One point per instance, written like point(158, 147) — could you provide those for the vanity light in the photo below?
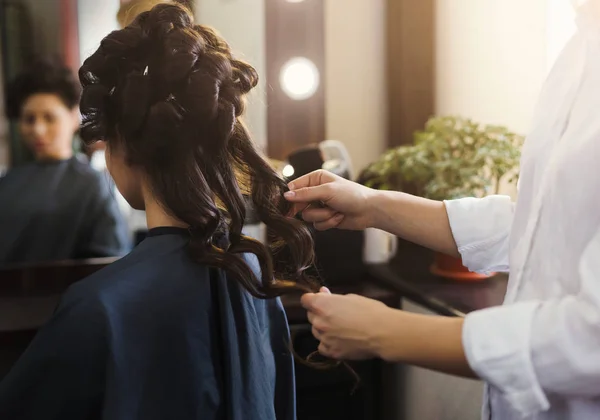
point(288, 171)
point(299, 78)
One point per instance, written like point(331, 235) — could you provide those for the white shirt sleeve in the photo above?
point(481, 229)
point(531, 349)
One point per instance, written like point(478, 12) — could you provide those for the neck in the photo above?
point(156, 216)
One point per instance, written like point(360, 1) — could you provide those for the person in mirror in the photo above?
point(56, 207)
point(189, 324)
point(539, 353)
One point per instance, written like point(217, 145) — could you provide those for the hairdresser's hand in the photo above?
point(346, 204)
point(349, 327)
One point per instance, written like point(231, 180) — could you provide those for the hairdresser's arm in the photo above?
point(348, 205)
point(476, 229)
point(353, 327)
point(415, 219)
point(431, 342)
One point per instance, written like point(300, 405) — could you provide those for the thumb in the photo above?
point(308, 301)
point(313, 302)
point(309, 194)
point(325, 290)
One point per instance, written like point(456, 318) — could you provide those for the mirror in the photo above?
point(258, 32)
point(57, 201)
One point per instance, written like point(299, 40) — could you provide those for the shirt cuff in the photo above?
point(481, 229)
point(497, 345)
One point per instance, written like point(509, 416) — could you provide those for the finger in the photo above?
point(303, 207)
point(315, 302)
point(312, 179)
point(318, 215)
point(316, 333)
point(325, 290)
point(311, 317)
point(309, 194)
point(298, 208)
point(332, 223)
point(324, 349)
point(308, 301)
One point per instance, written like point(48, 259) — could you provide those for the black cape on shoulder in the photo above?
point(156, 336)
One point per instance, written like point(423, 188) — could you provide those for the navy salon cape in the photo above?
point(59, 210)
point(156, 336)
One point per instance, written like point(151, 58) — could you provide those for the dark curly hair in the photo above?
point(170, 95)
point(43, 75)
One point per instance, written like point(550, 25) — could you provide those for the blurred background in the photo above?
point(380, 68)
point(427, 96)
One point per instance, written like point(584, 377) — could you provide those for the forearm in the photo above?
point(431, 342)
point(415, 219)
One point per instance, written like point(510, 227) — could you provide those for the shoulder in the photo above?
point(16, 172)
point(80, 315)
point(81, 167)
point(141, 275)
point(88, 301)
point(93, 287)
point(91, 180)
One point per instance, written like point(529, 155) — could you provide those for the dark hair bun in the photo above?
point(162, 62)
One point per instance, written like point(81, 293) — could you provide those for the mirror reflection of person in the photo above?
point(56, 207)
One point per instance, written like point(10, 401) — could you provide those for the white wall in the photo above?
point(491, 59)
point(356, 101)
point(242, 24)
point(96, 19)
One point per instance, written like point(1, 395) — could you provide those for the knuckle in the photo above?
point(315, 332)
point(320, 325)
point(331, 213)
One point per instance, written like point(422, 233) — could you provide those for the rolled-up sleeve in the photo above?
point(481, 228)
point(532, 349)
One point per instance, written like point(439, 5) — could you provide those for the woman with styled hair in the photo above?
point(189, 324)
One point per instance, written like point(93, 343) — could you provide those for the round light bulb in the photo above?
point(299, 78)
point(288, 171)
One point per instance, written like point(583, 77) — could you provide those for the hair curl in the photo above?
point(170, 94)
point(44, 75)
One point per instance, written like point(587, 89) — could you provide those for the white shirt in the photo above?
point(540, 352)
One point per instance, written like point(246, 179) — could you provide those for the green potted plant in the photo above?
point(451, 158)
